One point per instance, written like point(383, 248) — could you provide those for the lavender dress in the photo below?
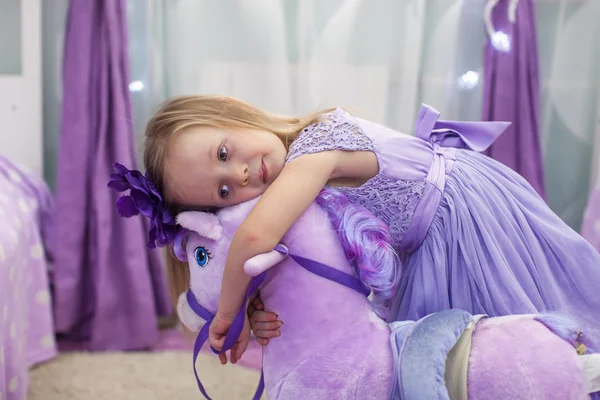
point(472, 233)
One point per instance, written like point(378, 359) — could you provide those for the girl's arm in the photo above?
point(284, 201)
point(288, 197)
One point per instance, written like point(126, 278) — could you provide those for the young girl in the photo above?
point(471, 233)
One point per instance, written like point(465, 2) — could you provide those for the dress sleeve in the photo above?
point(334, 131)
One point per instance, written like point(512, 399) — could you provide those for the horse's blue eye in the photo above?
point(202, 256)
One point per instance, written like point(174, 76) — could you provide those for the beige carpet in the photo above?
point(148, 376)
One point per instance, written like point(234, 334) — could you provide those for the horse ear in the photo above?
point(203, 223)
point(187, 316)
point(232, 217)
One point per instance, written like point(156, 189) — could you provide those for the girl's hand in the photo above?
point(264, 324)
point(218, 331)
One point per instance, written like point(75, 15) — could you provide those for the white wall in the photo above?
point(21, 138)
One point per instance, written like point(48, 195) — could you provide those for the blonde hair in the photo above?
point(222, 112)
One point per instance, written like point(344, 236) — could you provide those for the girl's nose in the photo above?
point(242, 175)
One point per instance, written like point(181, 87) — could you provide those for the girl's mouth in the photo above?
point(263, 172)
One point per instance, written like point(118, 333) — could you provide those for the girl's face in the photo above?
point(213, 167)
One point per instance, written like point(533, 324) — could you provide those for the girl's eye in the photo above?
point(223, 153)
point(224, 191)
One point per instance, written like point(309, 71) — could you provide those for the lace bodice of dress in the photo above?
point(389, 198)
point(335, 131)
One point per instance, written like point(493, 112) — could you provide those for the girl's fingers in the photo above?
point(257, 303)
point(260, 335)
point(262, 342)
point(263, 316)
point(266, 326)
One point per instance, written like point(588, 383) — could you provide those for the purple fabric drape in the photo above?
point(108, 288)
point(512, 92)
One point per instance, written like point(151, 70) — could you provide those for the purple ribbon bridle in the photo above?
point(235, 330)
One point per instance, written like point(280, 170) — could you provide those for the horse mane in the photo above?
point(367, 243)
point(178, 250)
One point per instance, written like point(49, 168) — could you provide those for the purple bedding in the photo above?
point(26, 327)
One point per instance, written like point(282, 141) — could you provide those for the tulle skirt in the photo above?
point(496, 248)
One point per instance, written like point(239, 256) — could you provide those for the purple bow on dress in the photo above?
point(473, 135)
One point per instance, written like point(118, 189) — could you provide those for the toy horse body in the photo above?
point(333, 345)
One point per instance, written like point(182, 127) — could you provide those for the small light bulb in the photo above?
point(501, 41)
point(136, 86)
point(468, 80)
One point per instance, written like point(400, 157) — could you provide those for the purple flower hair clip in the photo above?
point(144, 199)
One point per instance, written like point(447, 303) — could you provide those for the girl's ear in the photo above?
point(187, 316)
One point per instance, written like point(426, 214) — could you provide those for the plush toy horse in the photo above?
point(334, 346)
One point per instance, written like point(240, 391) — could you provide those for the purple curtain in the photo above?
point(512, 91)
point(108, 288)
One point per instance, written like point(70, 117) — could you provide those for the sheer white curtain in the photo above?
point(569, 51)
point(54, 18)
point(591, 219)
point(381, 59)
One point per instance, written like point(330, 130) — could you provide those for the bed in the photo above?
point(26, 327)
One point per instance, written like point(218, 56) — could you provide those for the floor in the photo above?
point(149, 376)
point(162, 373)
